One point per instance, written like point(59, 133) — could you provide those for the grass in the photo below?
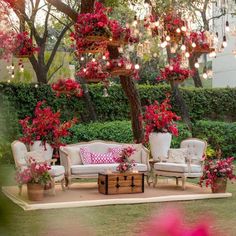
point(107, 220)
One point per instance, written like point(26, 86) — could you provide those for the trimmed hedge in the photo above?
point(215, 104)
point(218, 135)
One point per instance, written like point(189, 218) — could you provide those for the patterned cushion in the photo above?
point(85, 155)
point(102, 158)
point(178, 155)
point(116, 151)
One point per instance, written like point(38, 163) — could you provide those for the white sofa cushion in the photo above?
point(175, 167)
point(38, 156)
point(57, 170)
point(96, 168)
point(177, 155)
point(73, 155)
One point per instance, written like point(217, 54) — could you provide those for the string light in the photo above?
point(155, 54)
point(183, 47)
point(183, 28)
point(187, 54)
point(227, 26)
point(196, 65)
point(84, 70)
point(82, 58)
point(136, 66)
point(164, 44)
point(135, 22)
point(93, 60)
point(104, 57)
point(167, 38)
point(22, 68)
point(178, 30)
point(204, 75)
point(172, 50)
point(36, 86)
point(9, 81)
point(194, 45)
point(105, 93)
point(224, 42)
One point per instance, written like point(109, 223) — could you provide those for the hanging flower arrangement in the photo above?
point(199, 42)
point(93, 72)
point(174, 72)
point(69, 87)
point(122, 66)
point(158, 117)
point(25, 47)
point(10, 2)
point(93, 26)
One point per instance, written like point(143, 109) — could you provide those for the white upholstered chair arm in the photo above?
point(145, 157)
point(66, 162)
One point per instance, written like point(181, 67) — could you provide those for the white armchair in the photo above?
point(20, 154)
point(183, 163)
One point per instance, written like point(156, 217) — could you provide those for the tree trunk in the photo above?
point(196, 78)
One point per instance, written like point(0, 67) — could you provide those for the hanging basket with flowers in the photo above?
point(174, 72)
point(94, 72)
point(25, 47)
point(69, 87)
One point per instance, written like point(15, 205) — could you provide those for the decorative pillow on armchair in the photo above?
point(102, 158)
point(177, 155)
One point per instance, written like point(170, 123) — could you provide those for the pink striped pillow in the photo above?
point(102, 158)
point(85, 155)
point(116, 151)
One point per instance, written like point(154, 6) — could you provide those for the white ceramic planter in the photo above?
point(160, 144)
point(38, 146)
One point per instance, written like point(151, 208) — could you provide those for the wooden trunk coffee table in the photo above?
point(118, 183)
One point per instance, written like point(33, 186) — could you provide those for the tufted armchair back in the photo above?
point(196, 148)
point(19, 151)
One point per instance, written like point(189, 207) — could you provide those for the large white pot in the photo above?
point(38, 146)
point(160, 144)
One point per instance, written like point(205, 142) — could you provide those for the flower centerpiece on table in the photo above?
point(94, 24)
point(216, 172)
point(158, 117)
point(45, 126)
point(70, 87)
point(25, 47)
point(125, 163)
point(174, 72)
point(94, 71)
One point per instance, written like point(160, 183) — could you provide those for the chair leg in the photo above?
point(67, 182)
point(63, 184)
point(148, 180)
point(183, 182)
point(155, 181)
point(20, 190)
point(53, 187)
point(177, 181)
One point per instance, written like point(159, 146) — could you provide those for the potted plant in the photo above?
point(36, 176)
point(160, 124)
point(126, 164)
point(216, 172)
point(44, 131)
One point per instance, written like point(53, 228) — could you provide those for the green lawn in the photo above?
point(107, 220)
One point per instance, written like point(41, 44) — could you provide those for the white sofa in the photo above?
point(75, 169)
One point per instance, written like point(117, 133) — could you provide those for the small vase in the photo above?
point(35, 191)
point(38, 146)
point(160, 144)
point(219, 185)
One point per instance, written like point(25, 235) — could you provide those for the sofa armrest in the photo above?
point(145, 157)
point(65, 161)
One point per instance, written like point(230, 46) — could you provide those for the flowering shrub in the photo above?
point(93, 23)
point(46, 126)
point(159, 118)
point(93, 70)
point(122, 63)
point(174, 72)
point(25, 45)
point(34, 173)
point(125, 163)
point(214, 168)
point(69, 87)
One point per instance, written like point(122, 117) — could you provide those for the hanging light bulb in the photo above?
point(110, 39)
point(84, 70)
point(196, 65)
point(36, 86)
point(183, 28)
point(12, 66)
point(22, 68)
point(104, 57)
point(164, 44)
point(178, 30)
point(105, 93)
point(136, 66)
point(155, 54)
point(82, 58)
point(120, 49)
point(108, 63)
point(194, 45)
point(157, 23)
point(213, 54)
point(227, 26)
point(224, 44)
point(183, 47)
point(172, 50)
point(187, 54)
point(204, 75)
point(167, 38)
point(9, 81)
point(135, 22)
point(93, 60)
point(171, 67)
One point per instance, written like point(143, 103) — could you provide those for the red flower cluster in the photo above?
point(125, 163)
point(214, 168)
point(46, 126)
point(10, 2)
point(123, 63)
point(172, 22)
point(69, 87)
point(174, 72)
point(25, 45)
point(35, 173)
point(160, 118)
point(93, 23)
point(93, 70)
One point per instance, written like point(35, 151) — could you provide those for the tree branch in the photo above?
point(45, 34)
point(53, 53)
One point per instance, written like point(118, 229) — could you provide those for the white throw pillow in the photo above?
point(178, 155)
point(74, 156)
point(38, 156)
